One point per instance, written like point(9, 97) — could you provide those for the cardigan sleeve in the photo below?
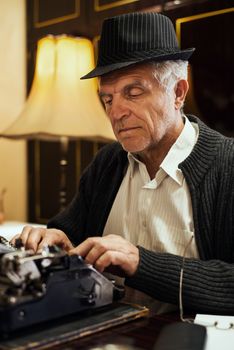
point(208, 286)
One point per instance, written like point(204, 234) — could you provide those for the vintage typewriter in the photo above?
point(36, 288)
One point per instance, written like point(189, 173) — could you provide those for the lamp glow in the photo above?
point(60, 106)
point(59, 103)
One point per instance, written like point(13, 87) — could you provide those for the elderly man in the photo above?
point(161, 198)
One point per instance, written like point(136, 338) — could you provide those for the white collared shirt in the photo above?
point(157, 214)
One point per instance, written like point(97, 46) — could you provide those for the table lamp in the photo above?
point(60, 106)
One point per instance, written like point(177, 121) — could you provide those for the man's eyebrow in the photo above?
point(103, 94)
point(137, 82)
point(133, 84)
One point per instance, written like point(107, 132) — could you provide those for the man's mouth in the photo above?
point(123, 130)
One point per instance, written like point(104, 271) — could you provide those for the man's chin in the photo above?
point(132, 147)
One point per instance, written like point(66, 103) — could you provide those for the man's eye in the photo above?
point(106, 101)
point(135, 92)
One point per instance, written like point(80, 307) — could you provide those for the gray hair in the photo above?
point(168, 73)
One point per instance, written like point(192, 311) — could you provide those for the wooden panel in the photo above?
point(47, 12)
point(101, 5)
point(45, 171)
point(212, 65)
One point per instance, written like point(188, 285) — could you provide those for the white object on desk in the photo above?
point(11, 228)
point(220, 337)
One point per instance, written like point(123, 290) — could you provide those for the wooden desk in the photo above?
point(140, 333)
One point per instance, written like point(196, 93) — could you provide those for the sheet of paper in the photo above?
point(220, 337)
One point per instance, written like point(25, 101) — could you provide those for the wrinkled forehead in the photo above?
point(141, 70)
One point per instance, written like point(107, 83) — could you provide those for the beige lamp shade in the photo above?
point(59, 103)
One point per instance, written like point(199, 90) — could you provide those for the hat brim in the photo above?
point(101, 70)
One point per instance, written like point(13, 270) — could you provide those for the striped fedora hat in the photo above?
point(136, 37)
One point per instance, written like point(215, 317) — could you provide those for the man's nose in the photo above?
point(119, 108)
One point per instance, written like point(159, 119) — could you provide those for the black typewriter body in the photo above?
point(35, 288)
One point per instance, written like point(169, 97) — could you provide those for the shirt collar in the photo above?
point(133, 161)
point(180, 151)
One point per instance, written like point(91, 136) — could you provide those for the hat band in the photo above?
point(133, 55)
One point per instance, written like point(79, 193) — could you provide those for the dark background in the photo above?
point(204, 24)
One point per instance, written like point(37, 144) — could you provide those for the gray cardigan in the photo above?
point(208, 283)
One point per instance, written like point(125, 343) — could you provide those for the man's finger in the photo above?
point(84, 248)
point(13, 239)
point(115, 263)
point(95, 253)
point(34, 238)
point(24, 234)
point(55, 237)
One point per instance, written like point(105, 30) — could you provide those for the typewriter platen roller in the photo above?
point(35, 288)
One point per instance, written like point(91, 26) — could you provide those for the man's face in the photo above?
point(142, 114)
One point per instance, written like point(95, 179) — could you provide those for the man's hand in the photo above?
point(36, 237)
point(111, 253)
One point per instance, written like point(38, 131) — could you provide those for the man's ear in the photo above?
point(181, 90)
